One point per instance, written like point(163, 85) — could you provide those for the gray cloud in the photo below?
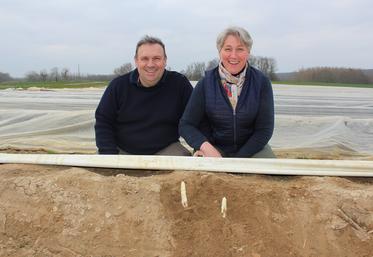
point(101, 35)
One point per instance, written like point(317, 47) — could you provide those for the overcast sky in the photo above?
point(99, 36)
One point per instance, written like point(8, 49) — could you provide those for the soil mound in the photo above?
point(67, 211)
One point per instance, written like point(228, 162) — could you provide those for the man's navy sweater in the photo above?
point(140, 120)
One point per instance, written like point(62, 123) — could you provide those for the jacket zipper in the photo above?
point(234, 118)
point(234, 129)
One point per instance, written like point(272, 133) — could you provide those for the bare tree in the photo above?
point(43, 74)
point(195, 71)
point(212, 64)
point(54, 75)
point(65, 74)
point(125, 68)
point(5, 77)
point(32, 76)
point(265, 64)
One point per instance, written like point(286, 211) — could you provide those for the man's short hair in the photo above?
point(150, 40)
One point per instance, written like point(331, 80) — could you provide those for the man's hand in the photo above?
point(207, 150)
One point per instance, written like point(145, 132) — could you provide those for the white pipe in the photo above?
point(231, 165)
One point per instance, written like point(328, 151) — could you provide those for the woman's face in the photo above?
point(234, 54)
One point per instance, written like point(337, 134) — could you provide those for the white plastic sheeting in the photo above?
point(306, 117)
point(231, 165)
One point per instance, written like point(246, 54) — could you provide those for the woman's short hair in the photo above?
point(150, 40)
point(239, 32)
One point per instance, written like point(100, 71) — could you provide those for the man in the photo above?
point(139, 112)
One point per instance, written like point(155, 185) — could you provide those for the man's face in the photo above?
point(150, 62)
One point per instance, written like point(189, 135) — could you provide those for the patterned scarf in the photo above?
point(232, 84)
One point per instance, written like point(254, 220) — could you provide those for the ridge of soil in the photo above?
point(69, 211)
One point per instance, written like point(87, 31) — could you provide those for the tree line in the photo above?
point(196, 71)
point(193, 71)
point(5, 77)
point(332, 75)
point(64, 74)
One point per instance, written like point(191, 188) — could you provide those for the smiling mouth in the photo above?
point(150, 73)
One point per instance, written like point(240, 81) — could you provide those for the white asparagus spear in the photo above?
point(184, 200)
point(224, 207)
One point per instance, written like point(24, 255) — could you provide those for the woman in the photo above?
point(231, 110)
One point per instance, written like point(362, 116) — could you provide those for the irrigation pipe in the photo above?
point(353, 168)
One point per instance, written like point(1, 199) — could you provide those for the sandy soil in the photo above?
point(68, 211)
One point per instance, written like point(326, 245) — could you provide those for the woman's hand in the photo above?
point(207, 150)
